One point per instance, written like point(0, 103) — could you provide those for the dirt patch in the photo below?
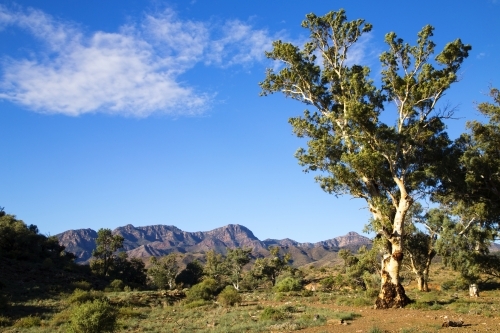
point(404, 320)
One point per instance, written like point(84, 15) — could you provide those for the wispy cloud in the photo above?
point(239, 44)
point(133, 71)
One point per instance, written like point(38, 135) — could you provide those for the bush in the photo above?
point(288, 284)
point(272, 314)
point(83, 285)
point(229, 296)
point(81, 296)
point(205, 290)
point(28, 322)
point(93, 317)
point(117, 285)
point(328, 283)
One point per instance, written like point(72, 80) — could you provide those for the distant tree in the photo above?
point(22, 242)
point(420, 246)
point(163, 271)
point(390, 165)
point(348, 257)
point(271, 267)
point(129, 270)
point(235, 260)
point(215, 266)
point(105, 253)
point(190, 275)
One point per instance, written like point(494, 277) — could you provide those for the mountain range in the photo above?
point(159, 240)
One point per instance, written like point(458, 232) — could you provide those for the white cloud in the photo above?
point(239, 44)
point(359, 53)
point(132, 72)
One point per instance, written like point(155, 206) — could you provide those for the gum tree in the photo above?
point(470, 193)
point(353, 150)
point(105, 253)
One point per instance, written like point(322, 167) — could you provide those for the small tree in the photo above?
point(348, 257)
point(190, 275)
point(235, 260)
point(105, 253)
point(271, 267)
point(215, 266)
point(163, 271)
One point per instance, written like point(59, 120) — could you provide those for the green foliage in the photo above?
point(197, 303)
point(215, 266)
point(104, 254)
point(274, 314)
point(288, 284)
point(22, 242)
point(83, 285)
point(229, 296)
point(191, 275)
point(375, 329)
point(163, 271)
point(206, 290)
point(470, 194)
point(235, 260)
point(354, 152)
point(81, 296)
point(131, 271)
point(271, 267)
point(28, 322)
point(117, 285)
point(93, 317)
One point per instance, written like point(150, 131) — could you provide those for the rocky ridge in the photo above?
point(158, 240)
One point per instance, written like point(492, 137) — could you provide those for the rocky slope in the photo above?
point(158, 240)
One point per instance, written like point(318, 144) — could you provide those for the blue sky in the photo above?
point(148, 112)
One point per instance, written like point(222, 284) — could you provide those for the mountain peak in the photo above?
point(158, 240)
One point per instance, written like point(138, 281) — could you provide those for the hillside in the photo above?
point(158, 240)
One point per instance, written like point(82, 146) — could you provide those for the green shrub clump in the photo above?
point(229, 296)
point(28, 322)
point(205, 290)
point(93, 317)
point(81, 296)
point(83, 285)
point(117, 285)
point(288, 284)
point(272, 314)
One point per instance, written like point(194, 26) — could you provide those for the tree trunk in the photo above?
point(392, 294)
point(422, 283)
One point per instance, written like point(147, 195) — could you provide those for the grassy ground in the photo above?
point(267, 311)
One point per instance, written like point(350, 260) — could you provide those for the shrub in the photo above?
point(272, 314)
point(328, 283)
point(205, 290)
point(117, 285)
point(196, 304)
point(447, 285)
point(288, 284)
point(229, 296)
point(93, 317)
point(83, 285)
point(28, 322)
point(81, 296)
